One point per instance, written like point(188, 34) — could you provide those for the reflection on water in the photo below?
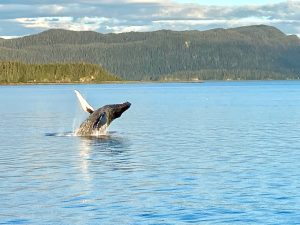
point(210, 153)
point(104, 144)
point(93, 149)
point(84, 153)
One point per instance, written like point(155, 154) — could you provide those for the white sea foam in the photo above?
point(100, 132)
point(74, 129)
point(97, 132)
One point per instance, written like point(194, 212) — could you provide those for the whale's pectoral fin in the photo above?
point(101, 120)
point(85, 106)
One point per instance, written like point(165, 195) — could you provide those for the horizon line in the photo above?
point(11, 37)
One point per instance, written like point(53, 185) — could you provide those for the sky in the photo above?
point(25, 17)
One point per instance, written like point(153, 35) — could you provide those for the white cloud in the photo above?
point(145, 1)
point(142, 15)
point(223, 22)
point(70, 23)
point(121, 1)
point(9, 37)
point(122, 29)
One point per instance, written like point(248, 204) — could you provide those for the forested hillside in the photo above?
point(253, 52)
point(16, 72)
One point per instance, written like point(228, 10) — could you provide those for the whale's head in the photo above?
point(117, 109)
point(106, 114)
point(99, 120)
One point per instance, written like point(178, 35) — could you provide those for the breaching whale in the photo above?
point(99, 120)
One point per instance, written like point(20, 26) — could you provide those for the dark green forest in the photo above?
point(250, 53)
point(17, 72)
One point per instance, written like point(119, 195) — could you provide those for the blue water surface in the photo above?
point(184, 153)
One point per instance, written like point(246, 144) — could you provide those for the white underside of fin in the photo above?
point(85, 106)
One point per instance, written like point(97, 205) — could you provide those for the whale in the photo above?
point(99, 120)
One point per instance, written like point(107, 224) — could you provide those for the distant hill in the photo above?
point(16, 72)
point(252, 52)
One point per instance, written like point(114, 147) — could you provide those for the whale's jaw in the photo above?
point(98, 122)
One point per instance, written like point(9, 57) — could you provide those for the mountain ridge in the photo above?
point(102, 37)
point(167, 54)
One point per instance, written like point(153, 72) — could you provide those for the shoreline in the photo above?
point(106, 82)
point(132, 82)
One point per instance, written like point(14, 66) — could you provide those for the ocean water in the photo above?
point(184, 153)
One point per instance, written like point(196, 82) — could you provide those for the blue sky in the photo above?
point(24, 17)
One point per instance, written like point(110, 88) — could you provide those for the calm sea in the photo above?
point(202, 153)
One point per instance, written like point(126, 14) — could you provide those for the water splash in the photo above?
point(101, 131)
point(75, 122)
point(97, 133)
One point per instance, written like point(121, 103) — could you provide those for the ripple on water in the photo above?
point(211, 153)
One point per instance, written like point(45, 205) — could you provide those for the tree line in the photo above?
point(18, 72)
